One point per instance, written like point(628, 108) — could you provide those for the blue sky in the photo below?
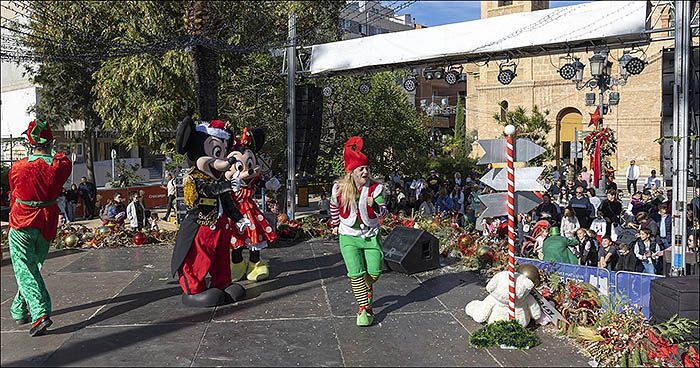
point(435, 13)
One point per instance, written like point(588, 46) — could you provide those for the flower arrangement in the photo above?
point(615, 333)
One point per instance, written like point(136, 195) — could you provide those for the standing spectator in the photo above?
point(632, 176)
point(646, 249)
point(426, 209)
point(579, 182)
point(563, 199)
point(88, 192)
point(595, 201)
point(586, 176)
point(71, 201)
point(582, 207)
point(626, 261)
point(61, 202)
point(611, 209)
point(171, 194)
point(569, 223)
point(546, 207)
point(610, 176)
point(652, 181)
point(434, 181)
point(587, 251)
point(599, 226)
point(135, 212)
point(695, 202)
point(607, 254)
point(664, 225)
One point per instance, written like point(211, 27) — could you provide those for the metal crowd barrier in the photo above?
point(634, 286)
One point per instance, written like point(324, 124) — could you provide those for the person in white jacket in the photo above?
point(632, 176)
point(135, 212)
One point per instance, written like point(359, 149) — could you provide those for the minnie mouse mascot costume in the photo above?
point(259, 233)
point(202, 243)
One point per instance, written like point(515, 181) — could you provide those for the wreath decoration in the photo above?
point(608, 142)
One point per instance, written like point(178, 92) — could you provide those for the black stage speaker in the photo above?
point(409, 250)
point(675, 295)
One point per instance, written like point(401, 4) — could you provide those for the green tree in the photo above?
point(535, 126)
point(395, 138)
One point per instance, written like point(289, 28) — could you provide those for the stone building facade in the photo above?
point(636, 120)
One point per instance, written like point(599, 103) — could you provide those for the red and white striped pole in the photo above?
point(510, 130)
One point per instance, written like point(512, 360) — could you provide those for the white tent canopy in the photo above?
point(588, 26)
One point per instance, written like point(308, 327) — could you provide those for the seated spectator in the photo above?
point(607, 254)
point(569, 223)
point(154, 222)
point(646, 250)
point(444, 202)
point(116, 213)
point(626, 261)
point(426, 209)
point(324, 205)
point(490, 225)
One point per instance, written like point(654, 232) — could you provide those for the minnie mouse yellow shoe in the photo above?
point(238, 271)
point(257, 271)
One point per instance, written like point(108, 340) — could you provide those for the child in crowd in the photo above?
point(607, 254)
point(626, 261)
point(154, 222)
point(586, 251)
point(324, 205)
point(599, 226)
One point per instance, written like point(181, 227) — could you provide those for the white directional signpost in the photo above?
point(498, 204)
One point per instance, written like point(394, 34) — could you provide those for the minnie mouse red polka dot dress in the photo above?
point(260, 233)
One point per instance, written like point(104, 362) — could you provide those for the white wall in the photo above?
point(15, 118)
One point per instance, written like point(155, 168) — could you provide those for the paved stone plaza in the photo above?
point(121, 307)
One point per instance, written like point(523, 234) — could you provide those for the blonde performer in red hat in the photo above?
point(356, 207)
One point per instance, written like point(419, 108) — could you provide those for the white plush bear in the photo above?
point(495, 306)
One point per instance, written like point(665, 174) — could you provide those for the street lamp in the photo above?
point(601, 70)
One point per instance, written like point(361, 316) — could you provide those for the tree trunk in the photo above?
point(206, 82)
point(88, 149)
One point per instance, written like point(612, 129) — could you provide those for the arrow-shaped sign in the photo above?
point(526, 179)
point(497, 203)
point(525, 150)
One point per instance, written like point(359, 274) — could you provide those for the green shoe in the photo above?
point(365, 316)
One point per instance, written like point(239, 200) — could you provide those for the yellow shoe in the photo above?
point(257, 271)
point(237, 271)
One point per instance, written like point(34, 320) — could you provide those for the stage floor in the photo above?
point(121, 307)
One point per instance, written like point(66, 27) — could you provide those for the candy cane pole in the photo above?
point(510, 130)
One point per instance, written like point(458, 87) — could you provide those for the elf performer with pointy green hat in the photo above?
point(356, 206)
point(35, 184)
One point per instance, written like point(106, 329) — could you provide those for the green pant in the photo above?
point(362, 255)
point(28, 250)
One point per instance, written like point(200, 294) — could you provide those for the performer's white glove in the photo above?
point(243, 223)
point(236, 184)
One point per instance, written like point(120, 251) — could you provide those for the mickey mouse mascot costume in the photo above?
point(202, 243)
point(356, 206)
point(257, 235)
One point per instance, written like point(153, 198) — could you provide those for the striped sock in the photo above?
point(370, 279)
point(359, 288)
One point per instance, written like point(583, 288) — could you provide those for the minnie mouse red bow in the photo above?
point(246, 139)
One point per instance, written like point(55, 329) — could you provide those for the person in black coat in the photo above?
point(88, 193)
point(611, 209)
point(626, 260)
point(587, 249)
point(546, 207)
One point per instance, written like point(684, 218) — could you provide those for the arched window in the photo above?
point(504, 110)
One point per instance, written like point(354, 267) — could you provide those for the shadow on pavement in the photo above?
point(54, 254)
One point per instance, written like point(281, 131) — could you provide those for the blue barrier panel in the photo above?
point(636, 287)
point(598, 277)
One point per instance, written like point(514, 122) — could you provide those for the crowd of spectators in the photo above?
point(604, 233)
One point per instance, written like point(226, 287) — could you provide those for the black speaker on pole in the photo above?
point(410, 250)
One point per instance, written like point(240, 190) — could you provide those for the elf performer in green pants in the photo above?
point(35, 183)
point(356, 207)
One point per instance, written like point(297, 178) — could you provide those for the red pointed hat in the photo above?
point(352, 155)
point(39, 132)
